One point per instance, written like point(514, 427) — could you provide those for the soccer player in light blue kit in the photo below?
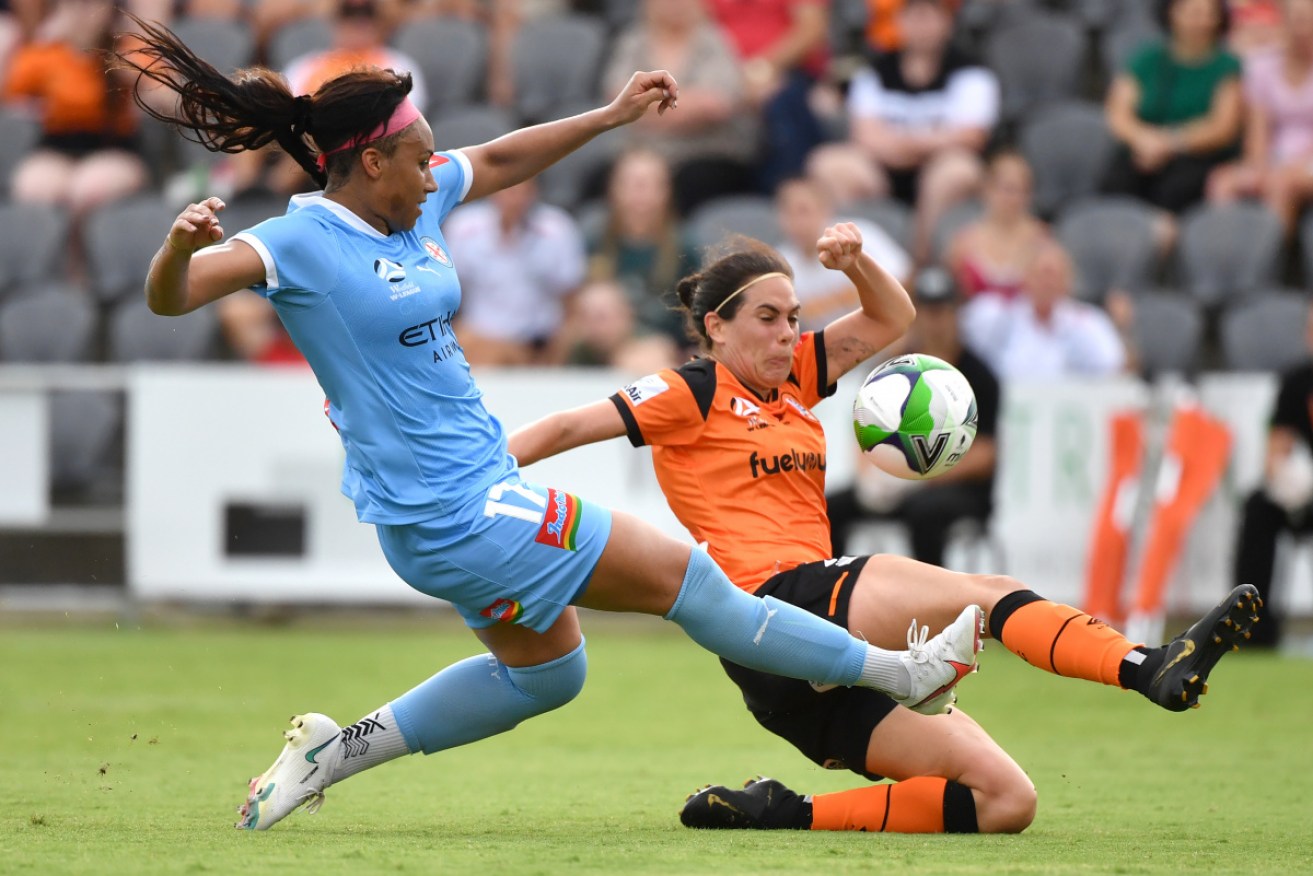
point(361, 277)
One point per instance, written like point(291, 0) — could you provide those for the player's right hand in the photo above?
point(197, 226)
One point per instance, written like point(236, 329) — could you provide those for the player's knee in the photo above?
point(1009, 808)
point(552, 685)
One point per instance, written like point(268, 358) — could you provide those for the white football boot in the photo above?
point(937, 665)
point(298, 777)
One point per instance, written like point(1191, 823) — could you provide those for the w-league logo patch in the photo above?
point(645, 388)
point(560, 524)
point(389, 270)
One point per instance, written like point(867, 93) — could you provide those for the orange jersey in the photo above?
point(744, 474)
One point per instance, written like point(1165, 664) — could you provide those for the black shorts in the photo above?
point(831, 727)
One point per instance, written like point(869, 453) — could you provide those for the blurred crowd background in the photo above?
point(1069, 187)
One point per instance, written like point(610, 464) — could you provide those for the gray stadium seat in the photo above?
point(18, 134)
point(470, 126)
point(225, 44)
point(556, 63)
point(83, 425)
point(121, 239)
point(750, 215)
point(1267, 333)
point(33, 240)
point(1306, 247)
point(1125, 36)
point(1168, 331)
point(136, 334)
point(1111, 241)
point(247, 211)
point(297, 38)
point(1069, 147)
point(47, 323)
point(957, 218)
point(1038, 59)
point(893, 216)
point(453, 56)
point(1227, 250)
point(568, 182)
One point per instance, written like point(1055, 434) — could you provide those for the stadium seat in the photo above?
point(578, 175)
point(1168, 331)
point(18, 134)
point(121, 239)
point(1227, 250)
point(1306, 248)
point(953, 221)
point(893, 216)
point(1069, 147)
point(1111, 241)
point(136, 334)
point(453, 56)
point(1125, 35)
point(33, 242)
point(751, 215)
point(1267, 333)
point(556, 63)
point(246, 211)
point(83, 425)
point(1038, 59)
point(470, 126)
point(297, 38)
point(224, 43)
point(47, 323)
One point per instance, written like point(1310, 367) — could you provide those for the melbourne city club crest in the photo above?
point(435, 251)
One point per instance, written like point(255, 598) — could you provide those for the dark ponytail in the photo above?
point(255, 107)
point(740, 259)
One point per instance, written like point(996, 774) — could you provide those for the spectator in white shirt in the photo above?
point(1043, 333)
point(518, 259)
point(922, 116)
point(805, 210)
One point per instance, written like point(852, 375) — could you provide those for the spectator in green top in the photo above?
point(1176, 107)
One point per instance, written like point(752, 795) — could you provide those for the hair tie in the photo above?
point(301, 106)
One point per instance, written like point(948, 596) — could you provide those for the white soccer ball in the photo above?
point(915, 416)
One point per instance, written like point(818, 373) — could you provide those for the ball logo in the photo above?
point(436, 252)
point(386, 269)
point(742, 407)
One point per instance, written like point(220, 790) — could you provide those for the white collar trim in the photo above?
point(311, 198)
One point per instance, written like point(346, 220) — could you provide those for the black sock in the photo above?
point(1133, 675)
point(959, 809)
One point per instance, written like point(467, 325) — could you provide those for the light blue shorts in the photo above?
point(520, 556)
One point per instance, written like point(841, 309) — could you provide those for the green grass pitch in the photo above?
point(126, 750)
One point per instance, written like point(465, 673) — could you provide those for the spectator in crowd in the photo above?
point(1283, 503)
point(519, 260)
point(599, 332)
point(87, 155)
point(253, 333)
point(1278, 142)
point(1255, 25)
point(991, 253)
point(711, 141)
point(641, 245)
point(930, 508)
point(1043, 333)
point(782, 46)
point(1176, 108)
point(922, 115)
point(267, 17)
point(805, 211)
point(360, 32)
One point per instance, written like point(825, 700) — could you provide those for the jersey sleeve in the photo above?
point(454, 175)
point(810, 370)
point(670, 407)
point(300, 259)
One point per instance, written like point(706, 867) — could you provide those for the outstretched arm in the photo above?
point(564, 431)
point(886, 310)
point(512, 159)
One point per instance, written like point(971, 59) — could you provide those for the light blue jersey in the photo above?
point(372, 314)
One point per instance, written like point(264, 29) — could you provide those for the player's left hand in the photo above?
point(839, 246)
point(644, 89)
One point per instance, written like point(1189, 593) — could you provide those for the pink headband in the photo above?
point(405, 114)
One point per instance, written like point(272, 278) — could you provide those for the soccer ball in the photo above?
point(915, 416)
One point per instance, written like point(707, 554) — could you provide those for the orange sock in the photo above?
point(912, 806)
point(1058, 638)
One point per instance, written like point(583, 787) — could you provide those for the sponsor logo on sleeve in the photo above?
point(560, 526)
point(646, 388)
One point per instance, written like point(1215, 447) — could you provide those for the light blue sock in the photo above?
point(481, 697)
point(763, 633)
